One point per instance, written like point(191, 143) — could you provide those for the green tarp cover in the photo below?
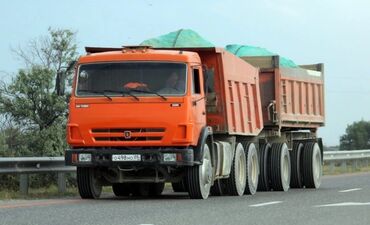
point(245, 50)
point(180, 38)
point(187, 38)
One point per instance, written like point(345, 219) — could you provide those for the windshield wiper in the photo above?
point(123, 93)
point(150, 92)
point(97, 92)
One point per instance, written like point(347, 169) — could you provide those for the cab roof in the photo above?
point(140, 53)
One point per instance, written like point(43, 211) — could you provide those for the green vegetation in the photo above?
point(45, 192)
point(357, 136)
point(34, 105)
point(327, 170)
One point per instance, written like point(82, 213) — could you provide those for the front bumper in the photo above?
point(149, 157)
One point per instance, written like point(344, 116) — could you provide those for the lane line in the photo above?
point(345, 204)
point(349, 190)
point(266, 203)
point(32, 204)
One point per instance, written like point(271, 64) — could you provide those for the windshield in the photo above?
point(135, 78)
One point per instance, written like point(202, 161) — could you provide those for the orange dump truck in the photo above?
point(203, 119)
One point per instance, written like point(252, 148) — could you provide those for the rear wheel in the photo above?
point(199, 177)
point(312, 165)
point(88, 183)
point(219, 188)
point(236, 182)
point(264, 177)
point(280, 167)
point(120, 190)
point(252, 169)
point(179, 186)
point(296, 180)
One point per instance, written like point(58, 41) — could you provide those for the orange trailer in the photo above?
point(201, 118)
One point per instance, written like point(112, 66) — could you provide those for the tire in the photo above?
point(179, 186)
point(156, 189)
point(219, 188)
point(280, 167)
point(296, 180)
point(146, 189)
point(264, 177)
point(121, 190)
point(199, 177)
point(252, 169)
point(88, 184)
point(312, 165)
point(236, 182)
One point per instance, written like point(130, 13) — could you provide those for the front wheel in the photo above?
point(88, 184)
point(199, 177)
point(121, 190)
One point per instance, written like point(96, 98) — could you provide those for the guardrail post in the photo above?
point(23, 184)
point(354, 165)
point(344, 166)
point(61, 182)
point(332, 166)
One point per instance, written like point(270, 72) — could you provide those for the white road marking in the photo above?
point(349, 190)
point(266, 203)
point(345, 204)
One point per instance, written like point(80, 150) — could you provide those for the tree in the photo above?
point(357, 136)
point(34, 102)
point(56, 52)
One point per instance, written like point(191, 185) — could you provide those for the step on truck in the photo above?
point(202, 119)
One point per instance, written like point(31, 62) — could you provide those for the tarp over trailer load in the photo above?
point(292, 96)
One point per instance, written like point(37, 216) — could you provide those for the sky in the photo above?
point(333, 32)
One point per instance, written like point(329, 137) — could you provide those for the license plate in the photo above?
point(126, 157)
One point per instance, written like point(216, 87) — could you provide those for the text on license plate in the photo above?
point(126, 157)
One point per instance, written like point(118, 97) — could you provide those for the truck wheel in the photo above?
point(312, 165)
point(178, 186)
point(264, 178)
point(280, 167)
point(236, 182)
point(199, 177)
point(296, 180)
point(88, 184)
point(156, 189)
point(252, 171)
point(123, 189)
point(218, 188)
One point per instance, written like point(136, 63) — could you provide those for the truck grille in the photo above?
point(128, 134)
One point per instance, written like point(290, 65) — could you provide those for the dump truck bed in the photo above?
point(233, 95)
point(290, 97)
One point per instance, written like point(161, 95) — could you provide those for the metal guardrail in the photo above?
point(31, 165)
point(357, 158)
point(346, 155)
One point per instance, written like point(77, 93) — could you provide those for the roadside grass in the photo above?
point(44, 193)
point(337, 170)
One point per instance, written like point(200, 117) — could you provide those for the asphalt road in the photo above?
point(343, 199)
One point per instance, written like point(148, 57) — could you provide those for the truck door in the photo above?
point(198, 99)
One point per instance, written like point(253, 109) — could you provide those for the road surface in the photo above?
point(343, 199)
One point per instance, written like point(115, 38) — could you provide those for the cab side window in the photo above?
point(196, 82)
